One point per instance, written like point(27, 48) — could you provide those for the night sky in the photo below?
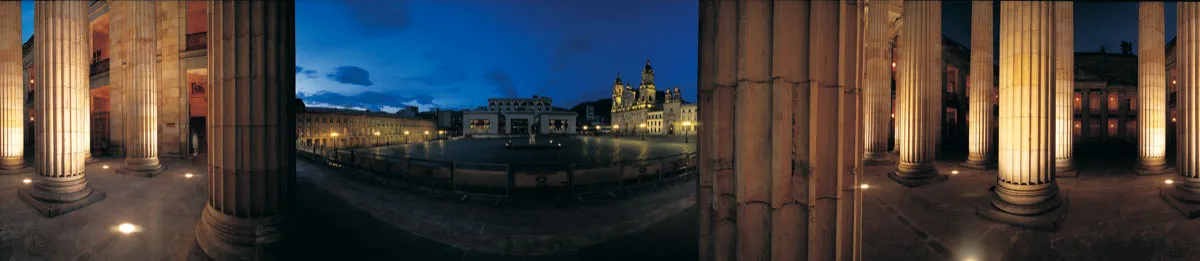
point(456, 54)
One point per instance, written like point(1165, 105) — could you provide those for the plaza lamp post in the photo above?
point(615, 129)
point(686, 125)
point(405, 137)
point(377, 138)
point(335, 138)
point(643, 126)
point(585, 129)
point(426, 135)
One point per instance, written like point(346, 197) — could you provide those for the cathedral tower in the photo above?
point(618, 92)
point(646, 91)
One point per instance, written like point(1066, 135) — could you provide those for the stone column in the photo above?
point(1184, 194)
point(251, 123)
point(877, 91)
point(1064, 85)
point(1026, 194)
point(1152, 87)
point(61, 60)
point(172, 112)
point(981, 153)
point(12, 92)
point(141, 114)
point(118, 77)
point(918, 93)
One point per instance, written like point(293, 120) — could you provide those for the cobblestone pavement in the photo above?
point(1112, 214)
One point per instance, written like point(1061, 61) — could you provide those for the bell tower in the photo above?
point(618, 88)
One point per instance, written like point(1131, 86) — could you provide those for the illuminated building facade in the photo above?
point(662, 113)
point(341, 128)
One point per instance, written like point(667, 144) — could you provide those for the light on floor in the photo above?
point(954, 172)
point(188, 175)
point(969, 259)
point(864, 186)
point(105, 166)
point(26, 181)
point(126, 228)
point(1168, 181)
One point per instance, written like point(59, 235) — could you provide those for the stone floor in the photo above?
point(1112, 214)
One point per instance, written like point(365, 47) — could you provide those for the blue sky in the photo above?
point(377, 54)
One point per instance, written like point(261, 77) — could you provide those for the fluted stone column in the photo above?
point(981, 153)
point(1184, 194)
point(12, 92)
point(173, 114)
point(918, 93)
point(877, 91)
point(1064, 85)
point(1152, 95)
point(251, 126)
point(1026, 193)
point(61, 60)
point(118, 76)
point(141, 114)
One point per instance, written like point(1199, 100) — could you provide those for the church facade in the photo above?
point(647, 111)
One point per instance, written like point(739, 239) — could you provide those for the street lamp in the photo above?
point(406, 137)
point(643, 126)
point(615, 129)
point(686, 125)
point(376, 138)
point(426, 135)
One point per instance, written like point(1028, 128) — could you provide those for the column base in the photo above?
point(983, 165)
point(1143, 170)
point(1064, 166)
point(1071, 173)
point(142, 171)
point(913, 182)
point(224, 237)
point(1188, 208)
point(16, 171)
point(53, 209)
point(1049, 221)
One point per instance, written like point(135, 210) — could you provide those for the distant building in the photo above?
point(342, 128)
point(408, 112)
point(449, 121)
point(517, 116)
point(632, 108)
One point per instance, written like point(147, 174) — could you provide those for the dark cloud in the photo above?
point(371, 100)
point(567, 50)
point(298, 69)
point(502, 83)
point(350, 75)
point(310, 73)
point(376, 18)
point(440, 76)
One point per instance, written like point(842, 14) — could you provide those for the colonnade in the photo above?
point(251, 172)
point(761, 180)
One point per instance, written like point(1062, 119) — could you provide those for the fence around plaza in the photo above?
point(501, 182)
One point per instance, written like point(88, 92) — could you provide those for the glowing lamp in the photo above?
point(864, 186)
point(26, 181)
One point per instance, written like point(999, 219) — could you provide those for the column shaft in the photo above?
point(251, 127)
point(788, 192)
point(141, 114)
point(173, 96)
point(1064, 84)
point(1152, 86)
point(60, 57)
point(877, 84)
point(721, 126)
point(1026, 184)
point(118, 78)
point(1185, 195)
point(981, 153)
point(752, 147)
point(919, 93)
point(12, 91)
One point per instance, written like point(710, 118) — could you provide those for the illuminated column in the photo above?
point(173, 114)
point(981, 153)
point(1184, 194)
point(1026, 193)
point(12, 92)
point(877, 91)
point(252, 162)
point(1152, 96)
point(118, 76)
point(141, 114)
point(61, 58)
point(918, 93)
point(1064, 85)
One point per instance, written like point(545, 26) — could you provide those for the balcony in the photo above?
point(98, 67)
point(197, 41)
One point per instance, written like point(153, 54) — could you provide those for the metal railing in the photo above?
point(98, 67)
point(196, 41)
point(503, 182)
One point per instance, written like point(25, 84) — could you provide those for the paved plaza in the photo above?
point(581, 150)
